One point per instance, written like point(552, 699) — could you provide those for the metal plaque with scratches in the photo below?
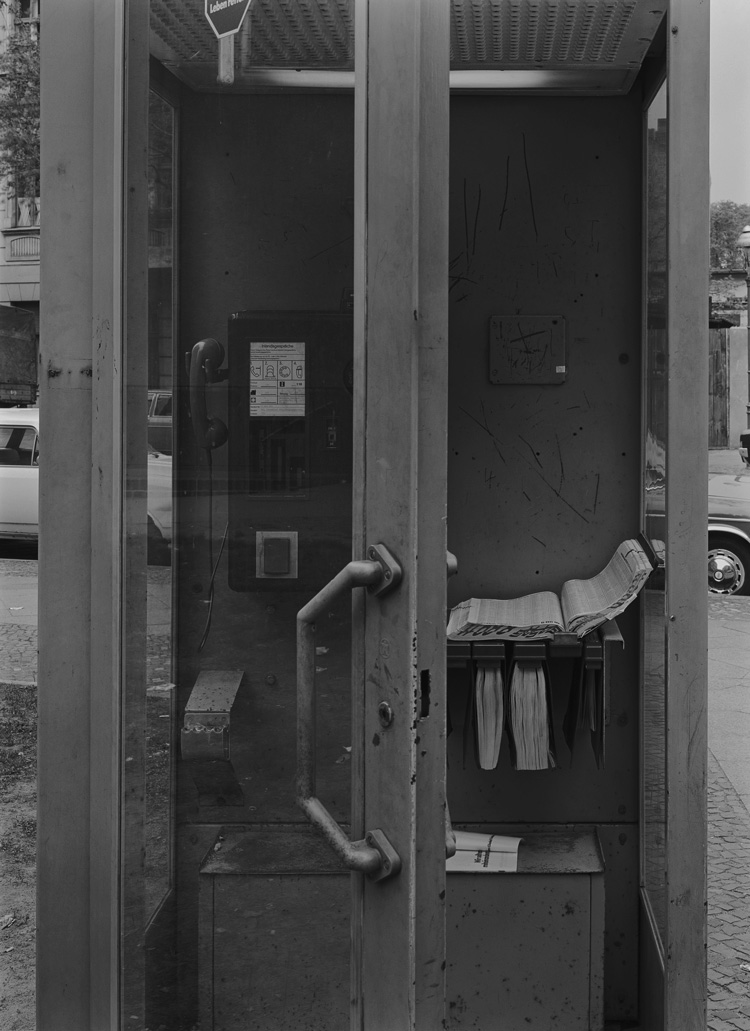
point(527, 349)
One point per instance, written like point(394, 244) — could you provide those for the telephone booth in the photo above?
point(413, 293)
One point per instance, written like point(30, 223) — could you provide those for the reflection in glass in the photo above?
point(159, 701)
point(654, 482)
point(237, 914)
point(160, 258)
point(159, 719)
point(149, 701)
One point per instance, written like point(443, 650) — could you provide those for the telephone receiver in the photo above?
point(203, 368)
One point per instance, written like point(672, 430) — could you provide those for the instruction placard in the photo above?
point(277, 378)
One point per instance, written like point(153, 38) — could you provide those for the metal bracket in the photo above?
point(390, 566)
point(390, 860)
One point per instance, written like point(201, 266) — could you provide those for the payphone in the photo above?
point(290, 448)
point(289, 465)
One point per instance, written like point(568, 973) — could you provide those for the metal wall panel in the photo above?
point(544, 480)
point(545, 220)
point(686, 515)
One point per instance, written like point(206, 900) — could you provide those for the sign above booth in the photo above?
point(226, 16)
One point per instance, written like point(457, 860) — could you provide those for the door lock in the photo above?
point(385, 714)
point(390, 861)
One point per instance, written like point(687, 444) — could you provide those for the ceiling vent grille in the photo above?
point(537, 33)
point(598, 44)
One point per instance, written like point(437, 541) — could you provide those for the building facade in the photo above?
point(19, 210)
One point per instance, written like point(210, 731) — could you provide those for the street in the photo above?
point(18, 616)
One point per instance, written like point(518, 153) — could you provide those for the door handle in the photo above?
point(374, 855)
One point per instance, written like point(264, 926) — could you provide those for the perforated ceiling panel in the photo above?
point(578, 45)
point(530, 32)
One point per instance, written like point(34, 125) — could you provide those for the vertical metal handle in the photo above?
point(374, 855)
point(450, 837)
point(450, 834)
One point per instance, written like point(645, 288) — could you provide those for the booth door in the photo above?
point(292, 724)
point(674, 512)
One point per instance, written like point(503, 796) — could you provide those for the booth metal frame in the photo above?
point(95, 65)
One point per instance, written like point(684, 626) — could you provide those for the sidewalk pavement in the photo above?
point(728, 815)
point(728, 904)
point(18, 616)
point(725, 460)
point(18, 622)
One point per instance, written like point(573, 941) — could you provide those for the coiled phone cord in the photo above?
point(213, 566)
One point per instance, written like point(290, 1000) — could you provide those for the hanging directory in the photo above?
point(277, 379)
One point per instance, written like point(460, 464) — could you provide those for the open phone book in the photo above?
point(583, 605)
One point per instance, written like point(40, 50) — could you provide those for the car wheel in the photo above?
point(728, 566)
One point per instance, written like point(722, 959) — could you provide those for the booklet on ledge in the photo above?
point(484, 853)
point(583, 605)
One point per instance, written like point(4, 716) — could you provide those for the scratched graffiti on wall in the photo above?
point(527, 349)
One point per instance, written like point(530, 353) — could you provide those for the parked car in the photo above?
point(160, 420)
point(19, 472)
point(19, 484)
point(745, 446)
point(729, 533)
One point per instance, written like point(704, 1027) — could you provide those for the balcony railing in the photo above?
point(21, 230)
point(25, 212)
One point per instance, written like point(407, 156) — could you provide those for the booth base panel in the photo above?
point(524, 950)
point(274, 953)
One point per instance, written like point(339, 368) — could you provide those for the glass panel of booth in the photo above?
point(653, 712)
point(149, 694)
point(233, 906)
point(159, 687)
